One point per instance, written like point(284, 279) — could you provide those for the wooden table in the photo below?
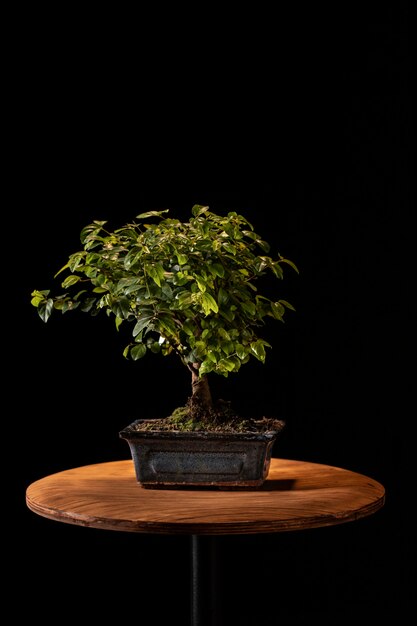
point(297, 495)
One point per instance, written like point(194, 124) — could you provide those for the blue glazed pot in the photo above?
point(178, 459)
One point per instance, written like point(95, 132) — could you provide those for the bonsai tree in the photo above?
point(186, 288)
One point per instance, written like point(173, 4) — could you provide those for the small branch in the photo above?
point(192, 368)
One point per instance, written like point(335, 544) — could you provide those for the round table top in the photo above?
point(296, 495)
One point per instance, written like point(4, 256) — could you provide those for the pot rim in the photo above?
point(129, 432)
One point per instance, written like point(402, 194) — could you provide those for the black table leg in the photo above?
point(204, 592)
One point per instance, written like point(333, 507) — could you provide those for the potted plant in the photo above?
point(187, 289)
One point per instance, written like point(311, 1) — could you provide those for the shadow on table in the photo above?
point(278, 485)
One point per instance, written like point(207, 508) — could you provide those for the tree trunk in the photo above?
point(200, 390)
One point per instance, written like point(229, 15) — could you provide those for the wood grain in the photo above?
point(297, 495)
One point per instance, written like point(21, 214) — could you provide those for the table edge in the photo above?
point(237, 528)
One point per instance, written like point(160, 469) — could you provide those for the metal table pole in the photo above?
point(204, 589)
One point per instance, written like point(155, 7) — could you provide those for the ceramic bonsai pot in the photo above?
point(175, 459)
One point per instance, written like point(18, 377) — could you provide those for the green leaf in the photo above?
point(92, 258)
point(223, 333)
point(128, 231)
point(126, 351)
point(87, 305)
point(206, 367)
point(198, 209)
point(229, 248)
point(180, 279)
point(36, 300)
point(132, 288)
point(118, 321)
point(228, 347)
point(227, 364)
point(139, 338)
point(41, 294)
point(249, 307)
point(216, 269)
point(90, 231)
point(293, 265)
point(138, 352)
point(142, 322)
point(167, 324)
point(237, 362)
point(45, 310)
point(227, 314)
point(264, 245)
point(69, 305)
point(241, 351)
point(143, 216)
point(212, 356)
point(99, 290)
point(125, 283)
point(184, 299)
point(80, 293)
point(258, 349)
point(287, 304)
point(182, 258)
point(121, 308)
point(209, 303)
point(66, 266)
point(91, 272)
point(277, 310)
point(277, 269)
point(202, 285)
point(189, 328)
point(70, 280)
point(223, 296)
point(167, 292)
point(156, 272)
point(250, 234)
point(101, 280)
point(205, 305)
point(200, 349)
point(155, 347)
point(76, 260)
point(132, 258)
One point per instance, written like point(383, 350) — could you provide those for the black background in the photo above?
point(307, 121)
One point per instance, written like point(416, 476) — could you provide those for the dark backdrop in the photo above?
point(309, 127)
